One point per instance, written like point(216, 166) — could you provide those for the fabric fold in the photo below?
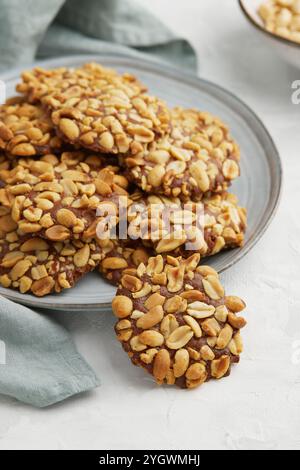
point(30, 29)
point(39, 363)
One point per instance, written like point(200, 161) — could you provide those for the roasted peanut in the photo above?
point(122, 306)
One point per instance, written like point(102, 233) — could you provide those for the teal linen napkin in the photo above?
point(30, 29)
point(39, 363)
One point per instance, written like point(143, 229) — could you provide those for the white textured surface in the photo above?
point(258, 406)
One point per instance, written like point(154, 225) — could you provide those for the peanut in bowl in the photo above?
point(278, 22)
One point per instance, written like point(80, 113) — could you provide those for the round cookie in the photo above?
point(26, 129)
point(196, 157)
point(60, 198)
point(169, 225)
point(175, 321)
point(122, 257)
point(37, 266)
point(97, 108)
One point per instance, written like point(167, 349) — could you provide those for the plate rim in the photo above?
point(192, 80)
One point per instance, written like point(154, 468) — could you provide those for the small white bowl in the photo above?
point(289, 50)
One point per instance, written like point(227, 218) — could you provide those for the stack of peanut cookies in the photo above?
point(95, 173)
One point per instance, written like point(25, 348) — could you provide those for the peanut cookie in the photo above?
point(97, 108)
point(37, 266)
point(170, 226)
point(175, 321)
point(60, 198)
point(122, 256)
point(197, 156)
point(26, 129)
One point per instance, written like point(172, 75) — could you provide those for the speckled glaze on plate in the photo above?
point(258, 188)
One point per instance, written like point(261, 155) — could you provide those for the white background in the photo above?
point(258, 406)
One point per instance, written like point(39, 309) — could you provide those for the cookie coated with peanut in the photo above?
point(175, 321)
point(168, 225)
point(196, 157)
point(97, 108)
point(57, 197)
point(35, 265)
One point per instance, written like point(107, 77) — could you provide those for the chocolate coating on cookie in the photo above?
point(175, 321)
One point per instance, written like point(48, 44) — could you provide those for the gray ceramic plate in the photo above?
point(258, 188)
